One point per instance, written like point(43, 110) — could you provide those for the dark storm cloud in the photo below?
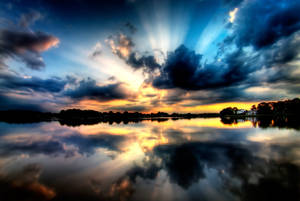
point(15, 82)
point(25, 46)
point(137, 61)
point(272, 41)
point(70, 87)
point(225, 95)
point(283, 52)
point(183, 69)
point(16, 91)
point(262, 23)
point(88, 89)
point(11, 103)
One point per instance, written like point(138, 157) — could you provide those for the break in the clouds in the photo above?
point(123, 46)
point(62, 53)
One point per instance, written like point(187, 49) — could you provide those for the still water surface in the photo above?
point(197, 159)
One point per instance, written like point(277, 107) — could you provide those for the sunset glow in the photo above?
point(147, 56)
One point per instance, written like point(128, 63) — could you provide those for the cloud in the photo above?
point(147, 62)
point(16, 82)
point(97, 51)
point(88, 89)
point(67, 146)
point(26, 46)
point(183, 166)
point(284, 51)
point(269, 44)
point(87, 145)
point(183, 69)
point(23, 44)
point(131, 27)
point(188, 163)
point(51, 148)
point(121, 45)
point(209, 96)
point(16, 91)
point(31, 92)
point(11, 103)
point(130, 107)
point(262, 23)
point(179, 69)
point(29, 18)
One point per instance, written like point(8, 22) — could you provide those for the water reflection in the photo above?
point(266, 121)
point(197, 159)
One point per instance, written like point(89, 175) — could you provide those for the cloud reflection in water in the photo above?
point(171, 160)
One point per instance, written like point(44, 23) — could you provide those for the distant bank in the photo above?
point(74, 117)
point(275, 109)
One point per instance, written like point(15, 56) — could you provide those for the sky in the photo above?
point(148, 55)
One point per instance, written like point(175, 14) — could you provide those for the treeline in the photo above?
point(280, 114)
point(279, 108)
point(265, 121)
point(76, 117)
point(91, 114)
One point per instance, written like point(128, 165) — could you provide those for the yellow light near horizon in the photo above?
point(220, 106)
point(210, 108)
point(216, 123)
point(146, 101)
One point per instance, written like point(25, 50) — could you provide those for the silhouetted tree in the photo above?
point(227, 111)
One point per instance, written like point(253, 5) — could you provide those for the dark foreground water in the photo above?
point(198, 159)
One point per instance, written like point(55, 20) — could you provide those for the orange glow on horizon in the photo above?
point(210, 108)
point(175, 108)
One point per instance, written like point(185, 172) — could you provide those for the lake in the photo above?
point(196, 159)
